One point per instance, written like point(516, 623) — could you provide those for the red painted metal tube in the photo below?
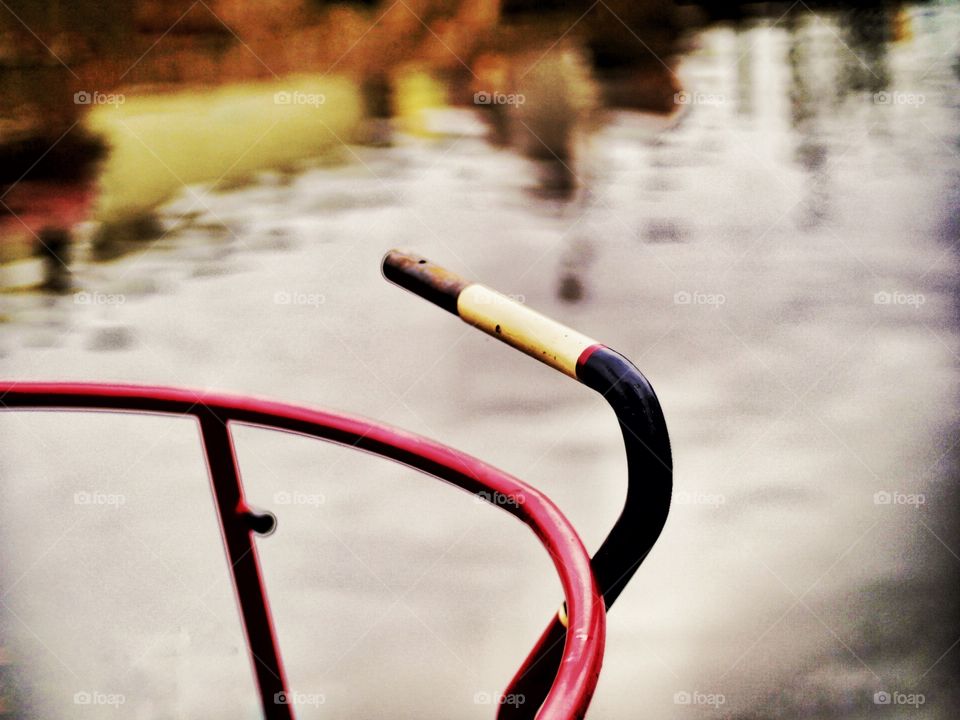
point(244, 564)
point(577, 674)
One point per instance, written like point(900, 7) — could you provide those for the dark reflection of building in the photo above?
point(744, 71)
point(866, 30)
point(860, 47)
point(44, 47)
point(807, 108)
point(860, 51)
point(631, 43)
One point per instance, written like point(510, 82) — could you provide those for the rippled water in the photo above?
point(779, 259)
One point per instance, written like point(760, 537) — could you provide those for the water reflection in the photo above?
point(748, 249)
point(177, 91)
point(867, 33)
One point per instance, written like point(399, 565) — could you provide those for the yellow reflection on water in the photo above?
point(415, 91)
point(160, 143)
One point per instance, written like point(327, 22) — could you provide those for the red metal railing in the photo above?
point(583, 649)
point(559, 676)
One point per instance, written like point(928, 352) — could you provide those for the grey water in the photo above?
point(780, 260)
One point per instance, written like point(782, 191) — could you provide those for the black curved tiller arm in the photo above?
point(622, 385)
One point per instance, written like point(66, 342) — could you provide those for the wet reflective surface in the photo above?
point(779, 258)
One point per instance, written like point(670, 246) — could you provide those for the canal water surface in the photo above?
point(779, 258)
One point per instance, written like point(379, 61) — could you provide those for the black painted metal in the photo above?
point(649, 474)
point(649, 468)
point(649, 487)
point(424, 278)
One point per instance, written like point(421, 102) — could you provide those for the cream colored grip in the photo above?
point(527, 330)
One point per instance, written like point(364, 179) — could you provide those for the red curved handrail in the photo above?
point(576, 679)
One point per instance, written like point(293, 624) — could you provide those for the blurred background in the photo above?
point(758, 204)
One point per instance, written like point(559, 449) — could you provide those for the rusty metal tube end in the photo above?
point(423, 278)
